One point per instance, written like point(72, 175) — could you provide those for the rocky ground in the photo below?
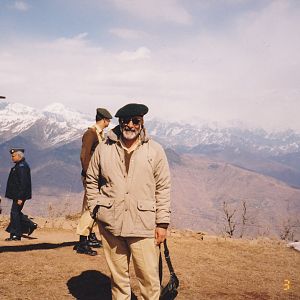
point(44, 266)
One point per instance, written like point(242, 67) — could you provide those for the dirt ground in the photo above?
point(46, 267)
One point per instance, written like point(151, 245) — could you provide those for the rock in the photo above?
point(294, 245)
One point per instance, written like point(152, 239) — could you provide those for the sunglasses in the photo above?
point(134, 120)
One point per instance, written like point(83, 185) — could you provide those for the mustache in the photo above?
point(129, 129)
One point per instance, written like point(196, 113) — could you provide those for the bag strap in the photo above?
point(160, 268)
point(168, 260)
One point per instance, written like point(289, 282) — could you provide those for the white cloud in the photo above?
point(81, 36)
point(250, 72)
point(20, 5)
point(156, 10)
point(127, 34)
point(140, 53)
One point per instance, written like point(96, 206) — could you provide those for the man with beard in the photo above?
point(128, 190)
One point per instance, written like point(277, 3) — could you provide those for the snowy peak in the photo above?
point(240, 138)
point(57, 112)
point(16, 117)
point(50, 127)
point(57, 124)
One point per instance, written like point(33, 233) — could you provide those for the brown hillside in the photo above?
point(199, 188)
point(201, 185)
point(46, 267)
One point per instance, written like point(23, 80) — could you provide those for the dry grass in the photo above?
point(73, 217)
point(46, 267)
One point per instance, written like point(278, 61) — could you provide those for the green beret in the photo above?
point(132, 109)
point(103, 113)
point(13, 150)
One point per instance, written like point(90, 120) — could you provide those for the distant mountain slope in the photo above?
point(201, 185)
point(209, 165)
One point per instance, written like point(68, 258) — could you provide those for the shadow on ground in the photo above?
point(32, 247)
point(91, 285)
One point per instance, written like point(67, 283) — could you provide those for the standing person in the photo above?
point(90, 140)
point(128, 190)
point(19, 190)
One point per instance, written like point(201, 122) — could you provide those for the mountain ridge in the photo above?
point(219, 168)
point(173, 134)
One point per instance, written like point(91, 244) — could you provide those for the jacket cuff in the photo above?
point(162, 225)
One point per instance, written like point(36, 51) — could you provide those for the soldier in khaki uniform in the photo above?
point(90, 140)
point(128, 191)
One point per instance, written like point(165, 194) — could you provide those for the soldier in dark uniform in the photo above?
point(19, 190)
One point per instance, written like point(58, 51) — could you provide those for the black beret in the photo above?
point(103, 113)
point(132, 109)
point(13, 150)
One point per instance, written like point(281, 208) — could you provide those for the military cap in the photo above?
point(103, 113)
point(132, 109)
point(13, 150)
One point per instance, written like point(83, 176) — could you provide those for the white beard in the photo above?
point(130, 135)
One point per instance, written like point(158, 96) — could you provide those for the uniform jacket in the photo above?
point(90, 140)
point(19, 182)
point(129, 204)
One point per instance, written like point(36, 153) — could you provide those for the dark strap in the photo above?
point(168, 260)
point(160, 266)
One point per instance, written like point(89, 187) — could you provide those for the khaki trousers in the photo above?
point(145, 257)
point(86, 222)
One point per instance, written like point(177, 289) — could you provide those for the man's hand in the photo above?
point(160, 235)
point(20, 202)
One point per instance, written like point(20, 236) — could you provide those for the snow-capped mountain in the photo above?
point(57, 112)
point(52, 126)
point(201, 137)
point(56, 125)
point(16, 118)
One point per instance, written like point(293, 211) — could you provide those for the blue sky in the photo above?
point(196, 60)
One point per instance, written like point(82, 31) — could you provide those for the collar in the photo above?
point(133, 146)
point(99, 131)
point(98, 128)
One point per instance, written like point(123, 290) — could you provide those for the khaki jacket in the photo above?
point(130, 205)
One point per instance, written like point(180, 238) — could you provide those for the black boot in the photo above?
point(83, 248)
point(93, 241)
point(13, 238)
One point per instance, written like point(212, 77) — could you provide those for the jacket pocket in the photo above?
point(105, 212)
point(146, 214)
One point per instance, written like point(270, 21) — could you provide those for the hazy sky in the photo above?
point(215, 60)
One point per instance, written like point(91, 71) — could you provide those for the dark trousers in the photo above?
point(15, 218)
